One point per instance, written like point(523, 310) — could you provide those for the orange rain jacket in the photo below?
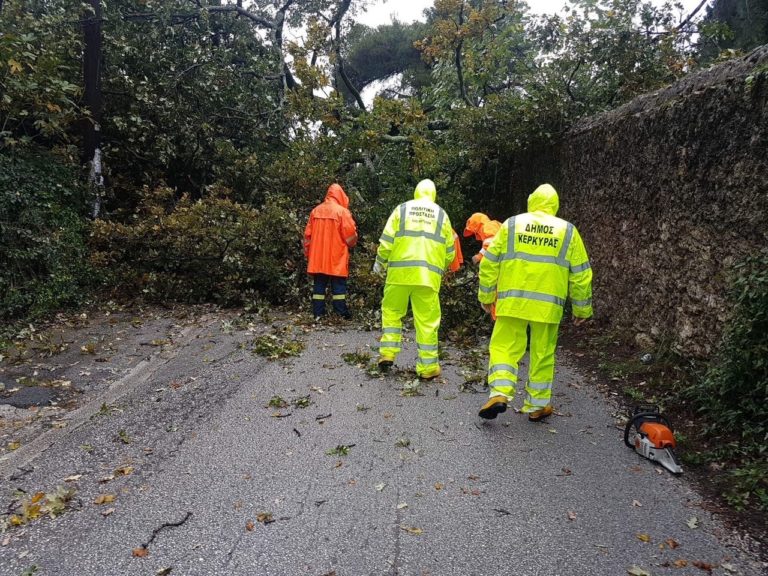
point(330, 233)
point(483, 229)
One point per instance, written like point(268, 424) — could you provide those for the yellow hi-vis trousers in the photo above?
point(507, 347)
point(425, 304)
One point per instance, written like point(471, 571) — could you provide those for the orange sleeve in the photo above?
point(458, 259)
point(348, 229)
point(308, 236)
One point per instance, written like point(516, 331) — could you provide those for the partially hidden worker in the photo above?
point(330, 233)
point(533, 264)
point(483, 229)
point(415, 250)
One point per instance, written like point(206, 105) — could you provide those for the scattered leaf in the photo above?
point(140, 552)
point(680, 563)
point(15, 445)
point(571, 515)
point(637, 571)
point(439, 485)
point(636, 504)
point(73, 478)
point(705, 566)
point(402, 506)
point(104, 499)
point(380, 487)
point(672, 543)
point(164, 571)
point(250, 525)
point(412, 530)
point(552, 431)
point(692, 522)
point(123, 470)
point(265, 517)
point(107, 512)
point(643, 537)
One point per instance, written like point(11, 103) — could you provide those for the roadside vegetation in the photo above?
point(164, 151)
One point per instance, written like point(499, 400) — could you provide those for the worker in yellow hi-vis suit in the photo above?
point(415, 250)
point(533, 264)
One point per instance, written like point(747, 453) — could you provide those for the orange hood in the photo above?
point(337, 194)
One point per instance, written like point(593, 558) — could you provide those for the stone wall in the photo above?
point(669, 191)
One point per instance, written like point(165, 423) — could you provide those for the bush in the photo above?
point(42, 235)
point(733, 395)
point(209, 250)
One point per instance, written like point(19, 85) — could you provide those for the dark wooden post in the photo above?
point(93, 100)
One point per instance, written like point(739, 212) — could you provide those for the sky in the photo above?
point(380, 11)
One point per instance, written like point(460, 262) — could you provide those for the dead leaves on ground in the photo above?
point(40, 504)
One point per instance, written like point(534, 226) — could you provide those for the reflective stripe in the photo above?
point(511, 236)
point(380, 345)
point(402, 218)
point(582, 302)
point(536, 258)
point(491, 257)
point(416, 263)
point(318, 296)
point(450, 249)
point(500, 367)
point(426, 346)
point(339, 296)
point(385, 238)
point(380, 259)
point(439, 227)
point(566, 242)
point(581, 267)
point(532, 296)
point(391, 330)
point(539, 385)
point(428, 360)
point(537, 401)
point(487, 289)
point(501, 382)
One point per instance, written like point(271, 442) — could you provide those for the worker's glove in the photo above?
point(379, 269)
point(486, 307)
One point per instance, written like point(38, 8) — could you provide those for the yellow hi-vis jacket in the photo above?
point(416, 246)
point(535, 262)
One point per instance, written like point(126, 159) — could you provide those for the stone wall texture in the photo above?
point(669, 191)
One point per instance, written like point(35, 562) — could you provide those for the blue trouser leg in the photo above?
point(318, 294)
point(339, 292)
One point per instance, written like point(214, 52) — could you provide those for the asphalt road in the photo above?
point(353, 477)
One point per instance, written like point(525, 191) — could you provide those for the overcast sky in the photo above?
point(380, 11)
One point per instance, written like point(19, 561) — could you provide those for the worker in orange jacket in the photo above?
point(483, 229)
point(330, 233)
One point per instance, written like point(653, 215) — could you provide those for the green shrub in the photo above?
point(42, 235)
point(209, 250)
point(733, 394)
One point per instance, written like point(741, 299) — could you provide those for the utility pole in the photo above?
point(93, 100)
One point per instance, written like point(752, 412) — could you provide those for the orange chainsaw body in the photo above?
point(659, 434)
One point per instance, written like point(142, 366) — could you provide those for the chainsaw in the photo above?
point(653, 437)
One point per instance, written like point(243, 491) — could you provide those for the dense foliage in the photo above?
point(42, 235)
point(733, 395)
point(212, 250)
